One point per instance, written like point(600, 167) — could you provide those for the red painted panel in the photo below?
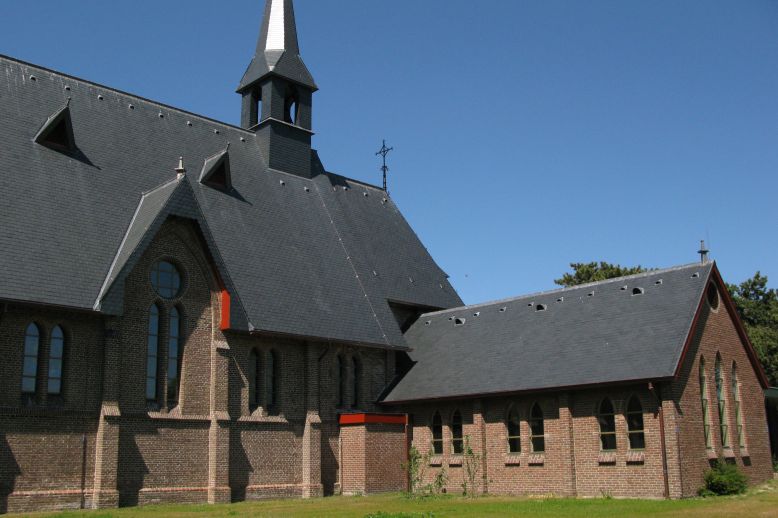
point(346, 419)
point(225, 323)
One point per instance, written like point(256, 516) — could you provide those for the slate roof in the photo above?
point(310, 257)
point(592, 334)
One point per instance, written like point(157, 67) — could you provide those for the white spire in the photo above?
point(276, 33)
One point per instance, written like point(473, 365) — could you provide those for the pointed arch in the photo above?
point(174, 357)
point(635, 424)
point(722, 403)
point(152, 354)
point(606, 416)
point(736, 405)
point(457, 437)
point(272, 375)
point(56, 361)
point(537, 429)
point(513, 427)
point(32, 339)
point(254, 380)
point(705, 404)
point(437, 434)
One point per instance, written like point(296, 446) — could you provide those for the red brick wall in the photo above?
point(373, 456)
point(716, 334)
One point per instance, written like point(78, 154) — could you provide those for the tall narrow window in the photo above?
point(437, 434)
point(152, 353)
point(514, 431)
point(723, 427)
point(342, 381)
point(537, 429)
point(356, 381)
point(637, 436)
point(32, 339)
point(741, 434)
point(253, 381)
point(705, 404)
point(607, 420)
point(272, 379)
point(56, 358)
point(457, 439)
point(174, 358)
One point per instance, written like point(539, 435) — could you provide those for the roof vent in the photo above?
point(590, 294)
point(216, 171)
point(33, 78)
point(696, 275)
point(459, 322)
point(560, 299)
point(503, 310)
point(428, 323)
point(100, 97)
point(540, 307)
point(57, 131)
point(624, 288)
point(530, 304)
point(638, 291)
point(477, 314)
point(659, 282)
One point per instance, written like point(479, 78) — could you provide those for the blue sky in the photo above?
point(528, 135)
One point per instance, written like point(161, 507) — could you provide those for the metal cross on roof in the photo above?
point(383, 152)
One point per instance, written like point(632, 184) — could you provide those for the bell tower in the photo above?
point(277, 91)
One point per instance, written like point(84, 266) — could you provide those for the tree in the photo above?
point(584, 273)
point(757, 306)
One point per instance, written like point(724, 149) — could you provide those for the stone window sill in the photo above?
point(729, 453)
point(513, 459)
point(712, 454)
point(607, 458)
point(437, 460)
point(636, 457)
point(745, 453)
point(455, 460)
point(536, 459)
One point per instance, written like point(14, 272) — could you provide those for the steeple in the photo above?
point(277, 91)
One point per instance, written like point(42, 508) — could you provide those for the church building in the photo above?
point(196, 312)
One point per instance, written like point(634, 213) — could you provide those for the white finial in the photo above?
point(276, 32)
point(180, 170)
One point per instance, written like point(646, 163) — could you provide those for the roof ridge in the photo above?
point(569, 289)
point(137, 97)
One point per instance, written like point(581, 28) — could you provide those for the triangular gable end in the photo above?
point(216, 171)
point(57, 131)
point(729, 304)
point(174, 198)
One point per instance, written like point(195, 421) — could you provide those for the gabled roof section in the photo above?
point(57, 131)
point(216, 171)
point(620, 330)
point(278, 51)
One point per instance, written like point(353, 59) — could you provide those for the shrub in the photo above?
point(724, 479)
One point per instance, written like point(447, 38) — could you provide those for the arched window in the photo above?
point(637, 436)
point(56, 359)
point(342, 381)
point(514, 431)
point(174, 358)
point(252, 376)
point(355, 395)
point(723, 427)
point(152, 354)
point(272, 380)
point(741, 433)
point(537, 429)
point(32, 339)
point(705, 404)
point(457, 439)
point(607, 419)
point(437, 434)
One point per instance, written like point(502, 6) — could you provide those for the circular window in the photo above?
point(713, 297)
point(166, 280)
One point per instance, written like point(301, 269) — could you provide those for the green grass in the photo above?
point(762, 501)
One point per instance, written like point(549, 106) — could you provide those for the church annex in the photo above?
point(192, 311)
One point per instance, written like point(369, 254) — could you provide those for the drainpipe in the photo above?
point(654, 389)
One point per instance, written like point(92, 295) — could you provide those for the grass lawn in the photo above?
point(762, 501)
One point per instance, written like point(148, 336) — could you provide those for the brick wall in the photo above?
point(717, 335)
point(211, 447)
point(373, 456)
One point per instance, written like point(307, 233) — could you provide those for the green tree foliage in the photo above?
point(755, 302)
point(758, 308)
point(584, 273)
